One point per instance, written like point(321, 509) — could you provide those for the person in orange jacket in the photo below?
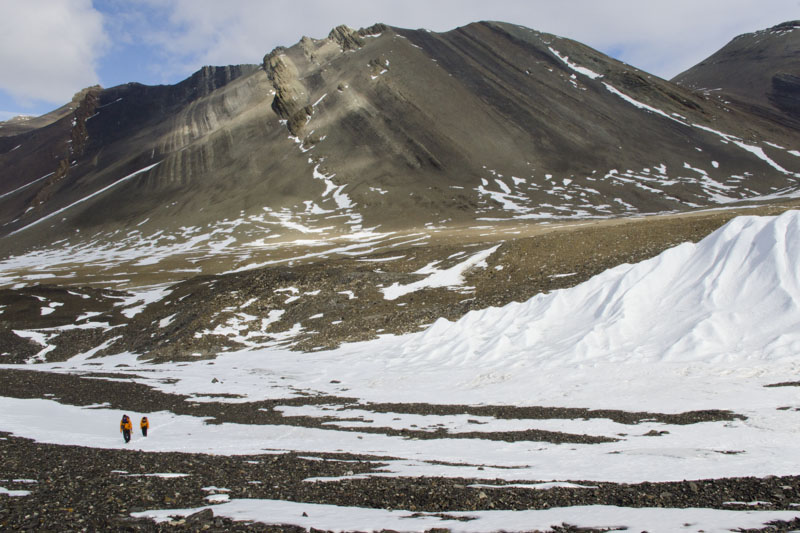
point(125, 427)
point(145, 425)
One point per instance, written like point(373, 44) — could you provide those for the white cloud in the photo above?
point(661, 37)
point(664, 37)
point(49, 48)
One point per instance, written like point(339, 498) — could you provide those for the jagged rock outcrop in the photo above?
point(291, 100)
point(87, 101)
point(86, 109)
point(350, 39)
point(347, 38)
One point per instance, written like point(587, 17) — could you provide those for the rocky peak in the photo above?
point(779, 29)
point(350, 39)
point(291, 99)
point(787, 26)
point(81, 95)
point(347, 38)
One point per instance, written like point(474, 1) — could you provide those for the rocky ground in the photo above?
point(73, 488)
point(326, 303)
point(83, 489)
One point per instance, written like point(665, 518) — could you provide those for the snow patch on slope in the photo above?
point(450, 277)
point(85, 198)
point(577, 68)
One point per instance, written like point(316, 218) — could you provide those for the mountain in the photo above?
point(341, 190)
point(368, 129)
point(393, 279)
point(758, 71)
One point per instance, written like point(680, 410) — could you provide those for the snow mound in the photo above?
point(732, 298)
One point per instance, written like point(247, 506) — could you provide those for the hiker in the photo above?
point(125, 427)
point(145, 425)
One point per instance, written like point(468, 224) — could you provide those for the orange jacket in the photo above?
point(144, 423)
point(125, 424)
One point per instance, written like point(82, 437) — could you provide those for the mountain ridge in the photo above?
point(757, 70)
point(379, 117)
point(364, 133)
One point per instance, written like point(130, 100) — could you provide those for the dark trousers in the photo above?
point(126, 434)
point(144, 431)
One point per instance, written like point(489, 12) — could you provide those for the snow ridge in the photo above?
point(733, 297)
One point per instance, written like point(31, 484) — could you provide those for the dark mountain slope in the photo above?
point(504, 100)
point(23, 123)
point(122, 130)
point(386, 128)
point(759, 70)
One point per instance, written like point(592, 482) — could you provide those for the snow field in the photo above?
point(701, 326)
point(330, 517)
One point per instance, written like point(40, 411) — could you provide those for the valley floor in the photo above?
point(332, 463)
point(657, 396)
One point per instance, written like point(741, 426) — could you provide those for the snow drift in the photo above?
point(733, 297)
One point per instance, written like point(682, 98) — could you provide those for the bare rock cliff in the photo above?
point(291, 98)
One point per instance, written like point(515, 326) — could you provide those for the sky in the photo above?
point(50, 49)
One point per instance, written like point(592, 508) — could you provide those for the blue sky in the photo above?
point(50, 49)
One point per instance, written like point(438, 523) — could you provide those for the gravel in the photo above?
point(80, 489)
point(339, 300)
point(74, 488)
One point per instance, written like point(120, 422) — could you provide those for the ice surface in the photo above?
point(691, 303)
point(14, 493)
